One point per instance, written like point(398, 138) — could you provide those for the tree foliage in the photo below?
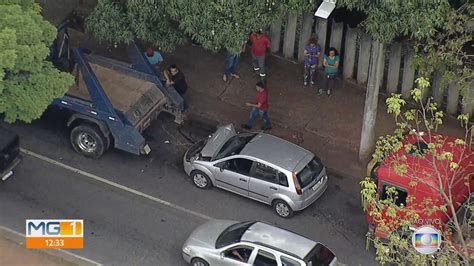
point(225, 24)
point(215, 24)
point(123, 21)
point(28, 81)
point(444, 161)
point(439, 31)
point(445, 52)
point(389, 19)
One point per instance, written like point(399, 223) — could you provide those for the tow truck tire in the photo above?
point(88, 140)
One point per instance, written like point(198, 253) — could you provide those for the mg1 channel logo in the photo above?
point(54, 233)
point(426, 240)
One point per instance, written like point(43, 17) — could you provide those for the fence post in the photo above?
point(275, 35)
point(364, 58)
point(394, 67)
point(336, 35)
point(453, 98)
point(468, 101)
point(349, 53)
point(290, 36)
point(408, 75)
point(438, 91)
point(321, 32)
point(305, 34)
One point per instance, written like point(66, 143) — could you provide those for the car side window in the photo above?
point(238, 165)
point(267, 173)
point(283, 179)
point(239, 253)
point(265, 258)
point(400, 197)
point(286, 261)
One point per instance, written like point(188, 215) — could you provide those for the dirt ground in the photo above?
point(13, 253)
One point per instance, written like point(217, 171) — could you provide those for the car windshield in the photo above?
point(234, 145)
point(309, 172)
point(320, 255)
point(232, 234)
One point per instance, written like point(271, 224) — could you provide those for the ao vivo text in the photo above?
point(427, 221)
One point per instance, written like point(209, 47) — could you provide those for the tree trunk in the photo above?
point(367, 140)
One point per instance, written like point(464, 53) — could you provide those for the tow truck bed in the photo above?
point(138, 99)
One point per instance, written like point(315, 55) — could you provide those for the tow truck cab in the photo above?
point(9, 153)
point(420, 164)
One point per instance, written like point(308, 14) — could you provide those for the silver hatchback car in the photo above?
point(223, 242)
point(258, 166)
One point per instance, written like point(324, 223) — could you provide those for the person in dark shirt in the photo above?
point(174, 77)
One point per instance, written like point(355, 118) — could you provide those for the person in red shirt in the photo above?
point(259, 108)
point(260, 43)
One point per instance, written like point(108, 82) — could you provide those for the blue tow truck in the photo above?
point(112, 102)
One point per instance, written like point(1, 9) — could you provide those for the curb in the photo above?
point(19, 238)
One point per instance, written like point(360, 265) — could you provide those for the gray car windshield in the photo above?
point(320, 255)
point(309, 172)
point(232, 234)
point(234, 145)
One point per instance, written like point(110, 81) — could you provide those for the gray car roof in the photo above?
point(276, 151)
point(278, 238)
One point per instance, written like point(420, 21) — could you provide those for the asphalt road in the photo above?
point(122, 228)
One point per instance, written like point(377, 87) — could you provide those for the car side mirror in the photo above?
point(221, 168)
point(222, 255)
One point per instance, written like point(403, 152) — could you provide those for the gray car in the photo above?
point(258, 166)
point(222, 242)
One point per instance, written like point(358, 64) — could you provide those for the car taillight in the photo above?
point(297, 184)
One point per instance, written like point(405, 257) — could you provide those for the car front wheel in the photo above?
point(201, 180)
point(199, 262)
point(282, 209)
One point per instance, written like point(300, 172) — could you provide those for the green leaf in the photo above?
point(28, 82)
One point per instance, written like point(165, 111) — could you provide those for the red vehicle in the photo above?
point(433, 176)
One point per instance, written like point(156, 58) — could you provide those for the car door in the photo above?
point(289, 261)
point(265, 258)
point(264, 182)
point(233, 174)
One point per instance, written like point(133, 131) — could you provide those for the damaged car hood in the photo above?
point(215, 141)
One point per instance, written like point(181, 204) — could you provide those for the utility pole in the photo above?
point(367, 140)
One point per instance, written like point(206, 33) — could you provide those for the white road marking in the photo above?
point(19, 237)
point(116, 185)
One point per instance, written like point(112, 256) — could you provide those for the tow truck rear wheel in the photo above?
point(88, 140)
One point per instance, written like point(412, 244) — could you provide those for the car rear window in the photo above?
point(310, 172)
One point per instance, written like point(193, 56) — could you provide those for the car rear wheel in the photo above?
point(201, 180)
point(282, 209)
point(199, 262)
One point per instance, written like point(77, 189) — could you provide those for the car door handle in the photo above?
point(243, 179)
point(274, 188)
